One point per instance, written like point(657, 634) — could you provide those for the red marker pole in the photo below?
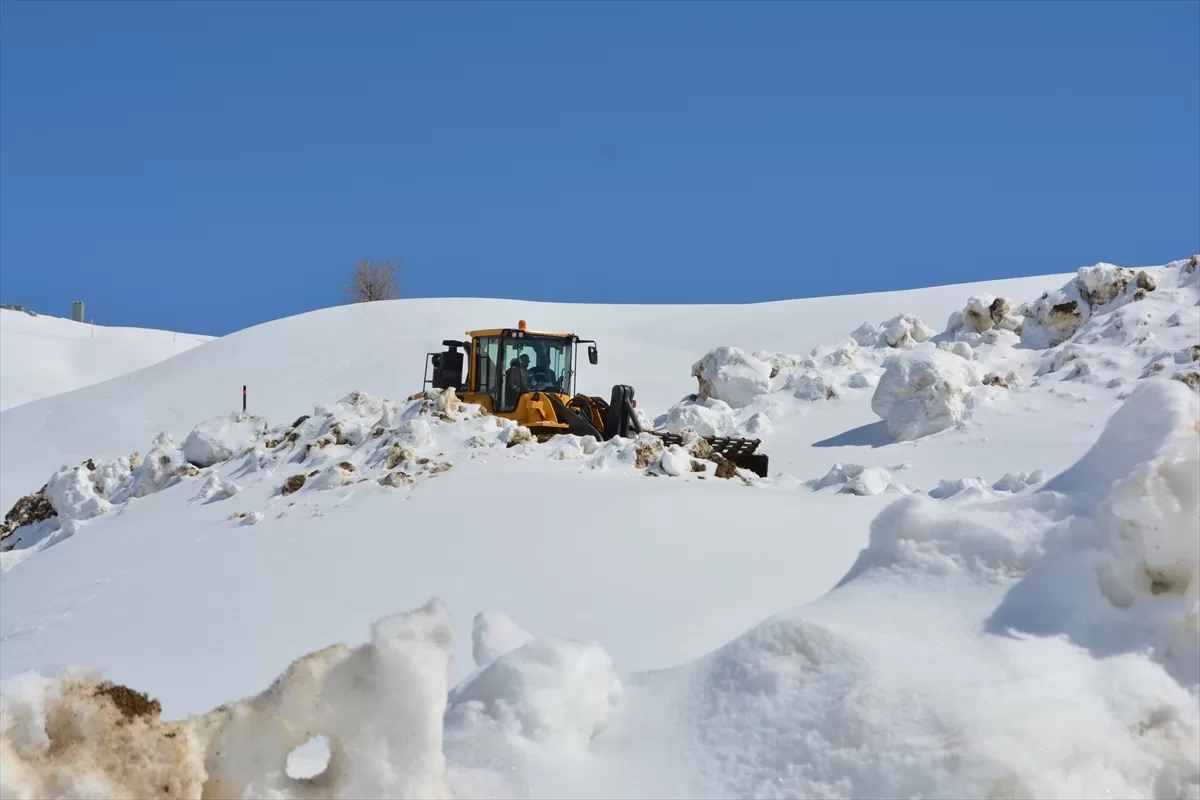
point(243, 398)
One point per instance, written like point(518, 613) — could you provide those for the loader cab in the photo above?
point(503, 364)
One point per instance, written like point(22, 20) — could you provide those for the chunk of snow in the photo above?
point(676, 461)
point(1019, 481)
point(708, 417)
point(866, 334)
point(73, 494)
point(493, 633)
point(949, 488)
point(1103, 283)
point(215, 487)
point(813, 386)
point(906, 330)
point(221, 438)
point(869, 481)
point(731, 375)
point(1054, 317)
point(924, 391)
point(855, 479)
point(549, 690)
point(960, 349)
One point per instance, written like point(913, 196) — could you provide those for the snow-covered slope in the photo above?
point(981, 510)
point(292, 364)
point(42, 356)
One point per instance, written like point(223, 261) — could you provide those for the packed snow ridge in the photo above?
point(360, 439)
point(1101, 323)
point(984, 644)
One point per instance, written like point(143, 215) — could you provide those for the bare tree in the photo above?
point(371, 281)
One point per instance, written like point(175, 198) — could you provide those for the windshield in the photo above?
point(535, 364)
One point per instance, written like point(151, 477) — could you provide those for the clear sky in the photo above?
point(204, 167)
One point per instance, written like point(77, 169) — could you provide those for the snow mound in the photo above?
point(923, 392)
point(552, 690)
point(221, 438)
point(732, 376)
point(359, 440)
point(855, 479)
point(1130, 554)
point(983, 313)
point(1019, 481)
point(75, 735)
point(381, 706)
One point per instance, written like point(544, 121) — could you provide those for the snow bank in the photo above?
point(1130, 555)
point(360, 439)
point(380, 705)
point(924, 391)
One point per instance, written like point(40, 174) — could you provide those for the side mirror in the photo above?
point(593, 354)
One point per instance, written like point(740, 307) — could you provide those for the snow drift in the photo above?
point(985, 645)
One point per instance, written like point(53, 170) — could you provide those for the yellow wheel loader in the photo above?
point(529, 376)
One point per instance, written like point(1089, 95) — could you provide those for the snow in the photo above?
point(923, 392)
point(219, 439)
point(1007, 605)
point(42, 356)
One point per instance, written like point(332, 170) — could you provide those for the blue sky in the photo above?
point(208, 166)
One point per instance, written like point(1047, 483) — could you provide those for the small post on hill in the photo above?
point(243, 398)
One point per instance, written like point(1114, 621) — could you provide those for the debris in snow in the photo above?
point(924, 391)
point(905, 330)
point(648, 450)
point(29, 510)
point(396, 479)
point(293, 484)
point(78, 734)
point(1003, 381)
point(1103, 283)
point(985, 312)
point(1191, 379)
point(1056, 316)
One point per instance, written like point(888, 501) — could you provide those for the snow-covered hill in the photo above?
point(981, 511)
point(42, 356)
